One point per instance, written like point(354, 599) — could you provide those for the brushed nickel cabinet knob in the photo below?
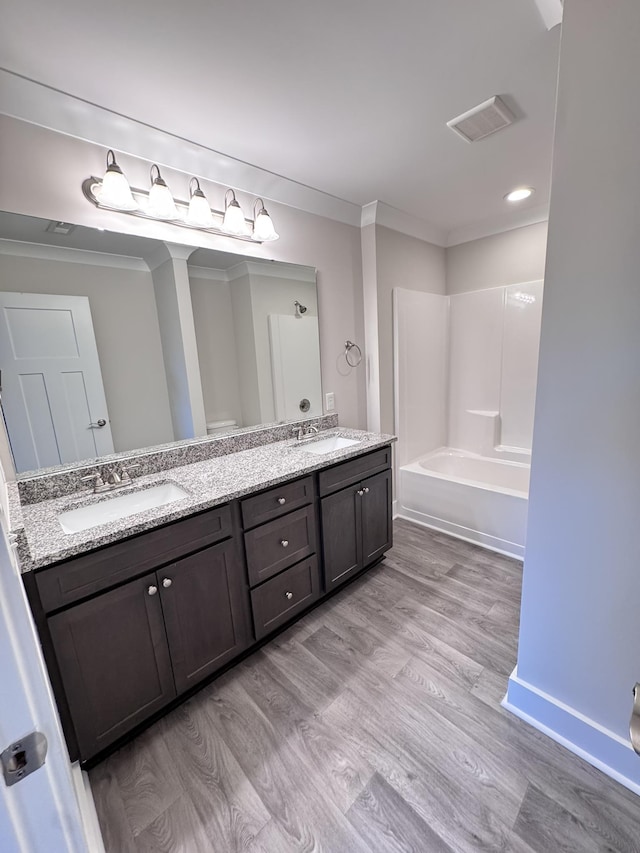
point(166, 583)
point(288, 595)
point(282, 501)
point(152, 590)
point(284, 543)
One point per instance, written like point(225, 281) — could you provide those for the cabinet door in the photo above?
point(114, 662)
point(206, 612)
point(341, 536)
point(376, 517)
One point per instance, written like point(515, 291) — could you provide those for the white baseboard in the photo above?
point(87, 808)
point(492, 543)
point(394, 509)
point(581, 735)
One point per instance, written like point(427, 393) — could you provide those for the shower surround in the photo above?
point(465, 381)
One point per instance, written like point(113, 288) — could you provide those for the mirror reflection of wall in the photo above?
point(240, 333)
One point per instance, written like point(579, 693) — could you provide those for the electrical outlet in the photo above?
point(330, 401)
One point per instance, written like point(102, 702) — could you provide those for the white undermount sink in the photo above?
point(328, 445)
point(113, 509)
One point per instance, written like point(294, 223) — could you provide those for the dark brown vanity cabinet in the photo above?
point(126, 653)
point(356, 520)
point(113, 659)
point(281, 542)
point(128, 628)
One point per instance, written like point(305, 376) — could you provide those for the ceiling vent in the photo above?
point(483, 120)
point(59, 227)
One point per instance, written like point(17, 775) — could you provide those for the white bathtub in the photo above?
point(476, 498)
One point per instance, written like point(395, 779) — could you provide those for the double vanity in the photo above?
point(144, 593)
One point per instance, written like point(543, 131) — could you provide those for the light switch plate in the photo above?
point(329, 401)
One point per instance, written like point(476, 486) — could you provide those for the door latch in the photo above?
point(23, 757)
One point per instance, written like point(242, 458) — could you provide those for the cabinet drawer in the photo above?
point(276, 502)
point(281, 598)
point(98, 570)
point(278, 544)
point(347, 473)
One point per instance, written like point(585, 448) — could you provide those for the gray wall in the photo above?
point(509, 258)
point(410, 263)
point(32, 188)
point(125, 322)
point(580, 631)
point(213, 318)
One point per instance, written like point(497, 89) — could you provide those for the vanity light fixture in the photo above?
point(160, 204)
point(233, 221)
point(115, 190)
point(114, 193)
point(199, 214)
point(263, 229)
point(520, 194)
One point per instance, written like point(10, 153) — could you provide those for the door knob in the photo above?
point(152, 590)
point(284, 543)
point(166, 583)
point(98, 424)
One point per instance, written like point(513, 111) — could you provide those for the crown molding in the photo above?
point(42, 105)
point(379, 213)
point(550, 12)
point(497, 225)
point(266, 269)
point(208, 273)
point(65, 254)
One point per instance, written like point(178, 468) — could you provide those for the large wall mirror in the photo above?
point(97, 353)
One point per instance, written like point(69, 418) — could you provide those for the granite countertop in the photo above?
point(41, 540)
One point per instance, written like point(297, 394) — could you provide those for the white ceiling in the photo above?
point(350, 98)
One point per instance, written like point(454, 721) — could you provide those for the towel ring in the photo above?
point(352, 359)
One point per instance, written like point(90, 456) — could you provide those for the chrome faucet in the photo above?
point(114, 479)
point(305, 433)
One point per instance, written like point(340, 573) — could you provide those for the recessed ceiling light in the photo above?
point(519, 194)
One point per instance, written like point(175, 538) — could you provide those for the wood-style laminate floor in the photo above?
point(371, 725)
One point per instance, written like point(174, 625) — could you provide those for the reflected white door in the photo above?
point(52, 393)
point(295, 365)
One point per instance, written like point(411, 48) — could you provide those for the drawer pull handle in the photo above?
point(288, 595)
point(166, 583)
point(366, 490)
point(361, 492)
point(152, 590)
point(282, 501)
point(284, 543)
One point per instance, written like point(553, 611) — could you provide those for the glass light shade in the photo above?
point(115, 190)
point(199, 214)
point(263, 229)
point(161, 204)
point(234, 221)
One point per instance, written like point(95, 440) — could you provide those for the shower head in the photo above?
point(300, 309)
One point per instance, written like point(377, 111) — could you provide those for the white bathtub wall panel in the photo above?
point(421, 351)
point(475, 363)
point(521, 341)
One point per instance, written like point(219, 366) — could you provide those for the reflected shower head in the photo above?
point(300, 309)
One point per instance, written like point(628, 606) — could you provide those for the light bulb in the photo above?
point(115, 190)
point(161, 204)
point(199, 214)
point(234, 221)
point(520, 194)
point(263, 229)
